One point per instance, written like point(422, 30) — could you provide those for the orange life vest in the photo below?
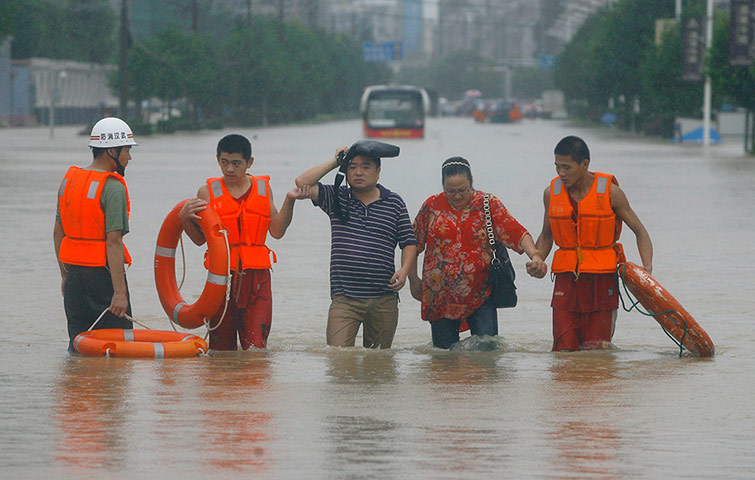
point(589, 244)
point(247, 223)
point(83, 219)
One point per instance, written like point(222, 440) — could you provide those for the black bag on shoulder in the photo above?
point(501, 274)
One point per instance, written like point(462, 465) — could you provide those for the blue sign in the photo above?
point(382, 51)
point(546, 62)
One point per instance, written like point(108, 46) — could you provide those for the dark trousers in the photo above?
point(89, 291)
point(483, 321)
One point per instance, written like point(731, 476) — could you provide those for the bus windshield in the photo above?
point(395, 109)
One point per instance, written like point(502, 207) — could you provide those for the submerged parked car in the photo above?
point(498, 111)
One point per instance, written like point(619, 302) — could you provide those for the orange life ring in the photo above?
point(213, 295)
point(676, 321)
point(116, 342)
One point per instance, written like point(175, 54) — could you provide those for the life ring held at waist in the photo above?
point(116, 342)
point(211, 299)
point(669, 313)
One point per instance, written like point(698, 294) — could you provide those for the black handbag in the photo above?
point(501, 272)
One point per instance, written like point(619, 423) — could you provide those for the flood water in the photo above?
point(302, 410)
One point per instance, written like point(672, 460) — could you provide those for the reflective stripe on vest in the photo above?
point(82, 217)
point(217, 189)
point(261, 188)
point(93, 189)
point(602, 185)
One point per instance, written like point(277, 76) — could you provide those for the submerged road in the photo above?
point(300, 409)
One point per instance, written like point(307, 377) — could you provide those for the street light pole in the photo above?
point(57, 79)
point(53, 92)
point(707, 87)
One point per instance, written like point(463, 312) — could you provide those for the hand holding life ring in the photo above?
point(182, 313)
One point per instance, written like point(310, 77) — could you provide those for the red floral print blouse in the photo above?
point(457, 253)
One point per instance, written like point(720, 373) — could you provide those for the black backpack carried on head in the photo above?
point(368, 148)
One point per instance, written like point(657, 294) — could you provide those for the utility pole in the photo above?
point(249, 12)
point(313, 10)
point(195, 16)
point(707, 87)
point(123, 73)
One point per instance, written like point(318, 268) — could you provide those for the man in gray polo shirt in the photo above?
point(367, 221)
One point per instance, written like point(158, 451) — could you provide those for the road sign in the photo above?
point(546, 62)
point(382, 51)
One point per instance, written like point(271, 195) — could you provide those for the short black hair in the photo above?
point(573, 147)
point(97, 151)
point(234, 143)
point(455, 166)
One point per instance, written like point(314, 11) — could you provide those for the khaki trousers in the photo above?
point(378, 315)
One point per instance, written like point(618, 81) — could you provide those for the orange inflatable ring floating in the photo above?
point(115, 342)
point(211, 299)
point(674, 319)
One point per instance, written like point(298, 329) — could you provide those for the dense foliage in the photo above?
point(68, 29)
point(259, 74)
point(606, 59)
point(613, 64)
point(230, 68)
point(452, 74)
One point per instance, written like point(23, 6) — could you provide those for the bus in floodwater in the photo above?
point(394, 111)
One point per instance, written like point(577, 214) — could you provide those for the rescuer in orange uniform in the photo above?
point(584, 211)
point(91, 220)
point(245, 205)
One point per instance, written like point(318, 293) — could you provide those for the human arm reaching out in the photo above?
point(281, 219)
point(620, 205)
point(543, 244)
point(314, 174)
point(189, 214)
point(536, 263)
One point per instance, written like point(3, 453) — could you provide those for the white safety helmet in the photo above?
point(111, 132)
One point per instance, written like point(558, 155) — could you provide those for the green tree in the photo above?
point(737, 84)
point(529, 83)
point(349, 74)
point(457, 72)
point(72, 30)
point(578, 73)
point(666, 95)
point(8, 13)
point(89, 29)
point(604, 59)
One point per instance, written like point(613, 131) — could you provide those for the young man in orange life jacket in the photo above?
point(245, 205)
point(91, 220)
point(584, 211)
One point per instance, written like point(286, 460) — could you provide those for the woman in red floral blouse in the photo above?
point(450, 229)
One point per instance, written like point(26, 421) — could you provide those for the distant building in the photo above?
point(77, 92)
point(511, 32)
point(571, 14)
point(5, 83)
point(503, 31)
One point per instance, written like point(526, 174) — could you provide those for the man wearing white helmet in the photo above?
point(91, 220)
